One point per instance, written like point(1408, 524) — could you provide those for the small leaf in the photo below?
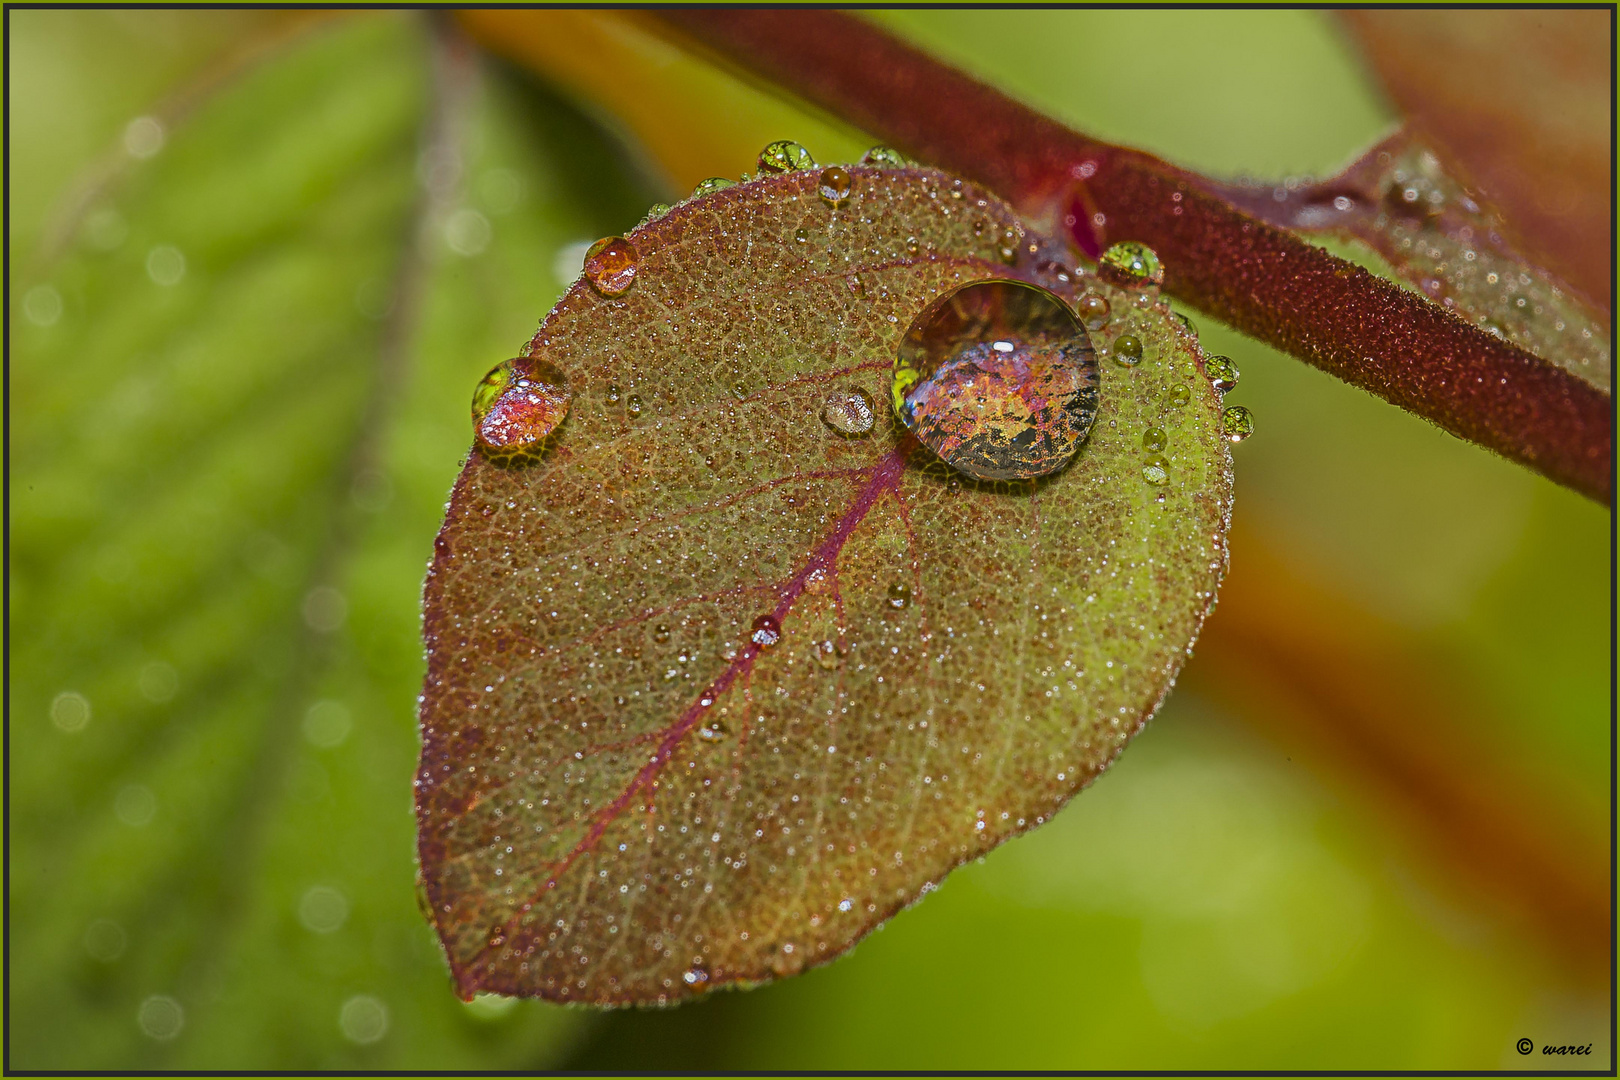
point(716, 685)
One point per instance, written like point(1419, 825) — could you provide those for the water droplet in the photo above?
point(884, 157)
point(913, 249)
point(827, 655)
point(1187, 324)
point(849, 412)
point(1093, 311)
point(660, 633)
point(1223, 374)
point(1156, 471)
point(1131, 265)
point(632, 405)
point(1178, 397)
point(1128, 350)
point(711, 185)
point(611, 264)
point(999, 379)
point(1009, 245)
point(784, 156)
point(801, 236)
point(518, 404)
point(695, 976)
point(1237, 424)
point(899, 595)
point(654, 212)
point(835, 186)
point(612, 395)
point(1154, 439)
point(712, 730)
point(767, 631)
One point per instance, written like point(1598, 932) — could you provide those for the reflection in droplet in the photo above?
point(1093, 311)
point(1154, 439)
point(884, 157)
point(712, 185)
point(518, 404)
point(999, 379)
point(1131, 265)
point(611, 264)
point(1156, 471)
point(1237, 424)
point(766, 631)
point(785, 156)
point(899, 595)
point(835, 186)
point(1223, 374)
point(849, 412)
point(1128, 350)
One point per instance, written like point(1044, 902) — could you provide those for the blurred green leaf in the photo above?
point(230, 450)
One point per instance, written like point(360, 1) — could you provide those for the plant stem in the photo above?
point(1254, 276)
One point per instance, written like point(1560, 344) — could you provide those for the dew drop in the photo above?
point(712, 731)
point(1128, 350)
point(1223, 374)
point(1237, 424)
point(1187, 324)
point(835, 186)
point(1131, 265)
point(884, 157)
point(611, 264)
point(899, 595)
point(849, 412)
point(632, 405)
point(827, 655)
point(1093, 311)
point(695, 976)
point(612, 395)
point(518, 404)
point(801, 236)
point(1178, 397)
point(654, 212)
point(711, 185)
point(1154, 439)
point(1156, 471)
point(660, 633)
point(785, 156)
point(913, 248)
point(999, 379)
point(767, 631)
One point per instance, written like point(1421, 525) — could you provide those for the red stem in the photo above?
point(1258, 278)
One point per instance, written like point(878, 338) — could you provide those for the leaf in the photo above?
point(628, 794)
point(1518, 104)
point(1439, 237)
point(224, 492)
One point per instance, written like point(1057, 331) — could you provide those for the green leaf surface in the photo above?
point(229, 453)
point(628, 793)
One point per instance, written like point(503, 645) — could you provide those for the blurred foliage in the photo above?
point(239, 393)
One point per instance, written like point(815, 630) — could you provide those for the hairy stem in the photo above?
point(1255, 276)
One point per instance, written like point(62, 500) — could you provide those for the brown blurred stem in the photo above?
point(1258, 278)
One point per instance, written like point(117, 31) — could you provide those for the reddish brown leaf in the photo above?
point(1518, 106)
point(719, 683)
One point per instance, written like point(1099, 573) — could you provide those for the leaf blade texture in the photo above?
point(712, 689)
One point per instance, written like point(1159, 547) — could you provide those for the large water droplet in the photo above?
point(518, 404)
point(999, 379)
point(611, 264)
point(1237, 424)
point(899, 595)
point(849, 412)
point(1131, 265)
point(1223, 374)
point(766, 631)
point(1178, 397)
point(1154, 439)
point(785, 156)
point(711, 185)
point(835, 186)
point(1156, 471)
point(884, 157)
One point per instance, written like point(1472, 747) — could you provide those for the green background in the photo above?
point(224, 487)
